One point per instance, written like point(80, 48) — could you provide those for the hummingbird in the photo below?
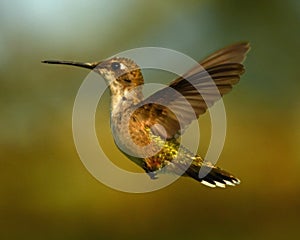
point(153, 130)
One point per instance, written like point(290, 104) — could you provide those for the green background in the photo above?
point(46, 192)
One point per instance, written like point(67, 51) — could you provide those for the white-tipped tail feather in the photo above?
point(220, 184)
point(214, 177)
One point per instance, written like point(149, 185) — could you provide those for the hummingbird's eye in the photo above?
point(115, 66)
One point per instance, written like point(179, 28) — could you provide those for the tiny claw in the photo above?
point(152, 175)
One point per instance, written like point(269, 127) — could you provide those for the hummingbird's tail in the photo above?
point(212, 176)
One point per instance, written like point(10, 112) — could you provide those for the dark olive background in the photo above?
point(46, 192)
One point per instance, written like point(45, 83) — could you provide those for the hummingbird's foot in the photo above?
point(152, 175)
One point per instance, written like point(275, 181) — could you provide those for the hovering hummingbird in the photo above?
point(154, 124)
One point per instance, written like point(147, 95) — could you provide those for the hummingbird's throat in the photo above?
point(124, 97)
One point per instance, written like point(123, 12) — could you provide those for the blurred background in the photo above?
point(46, 192)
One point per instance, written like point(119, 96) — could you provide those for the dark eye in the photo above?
point(115, 66)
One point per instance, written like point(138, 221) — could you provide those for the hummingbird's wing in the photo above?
point(224, 67)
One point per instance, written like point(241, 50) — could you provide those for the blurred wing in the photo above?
point(224, 67)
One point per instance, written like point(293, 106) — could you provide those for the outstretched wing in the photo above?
point(224, 67)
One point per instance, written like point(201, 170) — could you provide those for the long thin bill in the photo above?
point(77, 64)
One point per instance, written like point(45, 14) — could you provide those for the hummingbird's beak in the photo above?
point(77, 64)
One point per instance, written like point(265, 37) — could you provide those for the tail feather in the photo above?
point(213, 177)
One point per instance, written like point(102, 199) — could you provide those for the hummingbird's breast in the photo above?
point(129, 134)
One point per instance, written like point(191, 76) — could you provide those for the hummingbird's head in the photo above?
point(119, 72)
